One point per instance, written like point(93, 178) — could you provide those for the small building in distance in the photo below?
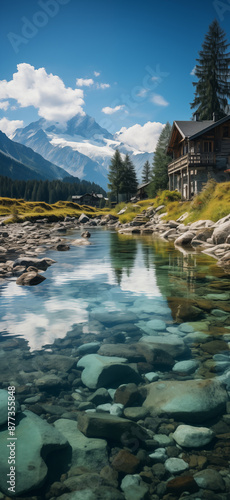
point(90, 199)
point(200, 150)
point(142, 192)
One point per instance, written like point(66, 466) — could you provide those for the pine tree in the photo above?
point(115, 174)
point(212, 71)
point(146, 172)
point(161, 160)
point(129, 178)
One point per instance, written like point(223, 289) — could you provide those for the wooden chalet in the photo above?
point(199, 150)
point(90, 199)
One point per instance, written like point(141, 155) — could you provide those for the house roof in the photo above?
point(189, 128)
point(140, 186)
point(193, 129)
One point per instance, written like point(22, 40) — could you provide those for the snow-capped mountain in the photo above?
point(82, 147)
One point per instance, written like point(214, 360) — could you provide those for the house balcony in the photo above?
point(192, 160)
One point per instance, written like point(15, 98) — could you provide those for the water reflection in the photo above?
point(117, 274)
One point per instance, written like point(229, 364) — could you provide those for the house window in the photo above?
point(225, 132)
point(208, 146)
point(198, 147)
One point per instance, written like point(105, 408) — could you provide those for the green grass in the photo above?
point(21, 210)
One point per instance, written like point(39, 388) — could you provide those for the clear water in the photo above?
point(135, 278)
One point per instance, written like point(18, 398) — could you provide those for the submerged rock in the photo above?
point(106, 371)
point(31, 278)
point(4, 406)
point(35, 439)
point(193, 437)
point(191, 401)
point(171, 344)
point(106, 426)
point(88, 452)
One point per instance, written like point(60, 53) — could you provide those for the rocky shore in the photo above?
point(131, 411)
point(206, 236)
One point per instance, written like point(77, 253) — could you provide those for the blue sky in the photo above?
point(124, 63)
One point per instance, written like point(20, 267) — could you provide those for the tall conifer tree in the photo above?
point(115, 174)
point(146, 172)
point(161, 160)
point(212, 70)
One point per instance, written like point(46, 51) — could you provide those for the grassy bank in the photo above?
point(212, 203)
point(17, 210)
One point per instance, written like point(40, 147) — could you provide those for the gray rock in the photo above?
point(4, 406)
point(163, 440)
point(152, 376)
point(185, 238)
point(157, 324)
point(38, 263)
point(88, 452)
point(187, 367)
point(89, 348)
point(104, 425)
point(171, 344)
point(193, 401)
point(176, 465)
point(193, 437)
point(49, 381)
point(158, 456)
point(35, 439)
point(83, 219)
point(221, 233)
point(106, 371)
point(54, 362)
point(100, 396)
point(210, 479)
point(134, 487)
point(31, 278)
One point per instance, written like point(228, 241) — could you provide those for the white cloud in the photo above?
point(142, 92)
point(96, 73)
point(159, 100)
point(4, 105)
point(84, 82)
point(143, 138)
point(193, 71)
point(46, 92)
point(9, 126)
point(103, 85)
point(109, 111)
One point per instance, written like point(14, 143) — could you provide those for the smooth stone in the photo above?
point(100, 396)
point(88, 452)
point(173, 329)
point(176, 465)
point(104, 371)
point(104, 425)
point(4, 400)
point(106, 407)
point(125, 462)
point(134, 487)
point(30, 261)
point(89, 348)
point(157, 324)
point(193, 401)
point(152, 376)
point(217, 296)
point(116, 409)
point(185, 328)
point(163, 440)
point(159, 455)
point(188, 366)
point(49, 381)
point(135, 413)
point(210, 479)
point(171, 344)
point(185, 238)
point(31, 278)
point(54, 362)
point(196, 338)
point(192, 437)
point(35, 440)
point(219, 313)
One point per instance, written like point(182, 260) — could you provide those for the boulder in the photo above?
point(125, 462)
point(210, 479)
point(83, 219)
point(106, 371)
point(106, 426)
point(220, 233)
point(88, 452)
point(4, 406)
point(193, 437)
point(134, 487)
point(186, 367)
point(180, 484)
point(190, 401)
point(35, 440)
point(185, 238)
point(38, 263)
point(170, 344)
point(54, 362)
point(31, 278)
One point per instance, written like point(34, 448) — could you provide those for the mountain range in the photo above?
point(20, 162)
point(81, 147)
